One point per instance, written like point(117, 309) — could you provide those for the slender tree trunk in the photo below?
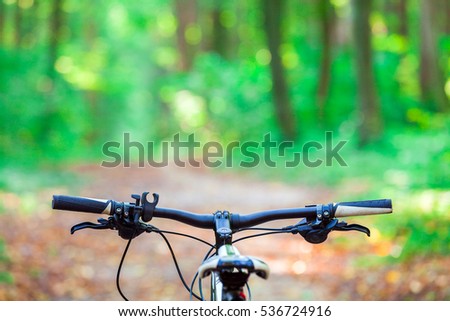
point(326, 24)
point(283, 109)
point(219, 34)
point(402, 11)
point(17, 26)
point(187, 16)
point(92, 97)
point(396, 15)
point(55, 26)
point(446, 14)
point(432, 82)
point(27, 24)
point(369, 109)
point(2, 22)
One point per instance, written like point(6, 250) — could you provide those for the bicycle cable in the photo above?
point(182, 234)
point(260, 234)
point(259, 229)
point(180, 274)
point(207, 256)
point(120, 268)
point(249, 292)
point(190, 289)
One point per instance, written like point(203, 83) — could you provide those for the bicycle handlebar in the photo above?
point(342, 209)
point(129, 219)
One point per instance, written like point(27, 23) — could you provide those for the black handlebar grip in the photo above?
point(382, 206)
point(82, 204)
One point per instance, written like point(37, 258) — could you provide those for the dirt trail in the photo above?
point(47, 263)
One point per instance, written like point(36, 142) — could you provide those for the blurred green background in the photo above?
point(77, 74)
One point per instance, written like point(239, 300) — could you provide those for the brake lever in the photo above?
point(343, 226)
point(104, 225)
point(126, 230)
point(317, 232)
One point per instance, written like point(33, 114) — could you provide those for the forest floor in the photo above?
point(47, 263)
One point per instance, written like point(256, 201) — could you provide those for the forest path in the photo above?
point(47, 263)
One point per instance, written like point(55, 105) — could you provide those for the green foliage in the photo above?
point(121, 67)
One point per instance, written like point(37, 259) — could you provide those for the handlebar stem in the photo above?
point(222, 228)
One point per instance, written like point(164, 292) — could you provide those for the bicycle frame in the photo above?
point(229, 272)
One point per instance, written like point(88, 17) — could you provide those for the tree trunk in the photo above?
point(326, 23)
point(219, 33)
point(369, 110)
point(432, 82)
point(92, 97)
point(55, 26)
point(50, 113)
point(17, 26)
point(446, 14)
point(396, 16)
point(2, 22)
point(186, 11)
point(402, 11)
point(283, 109)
